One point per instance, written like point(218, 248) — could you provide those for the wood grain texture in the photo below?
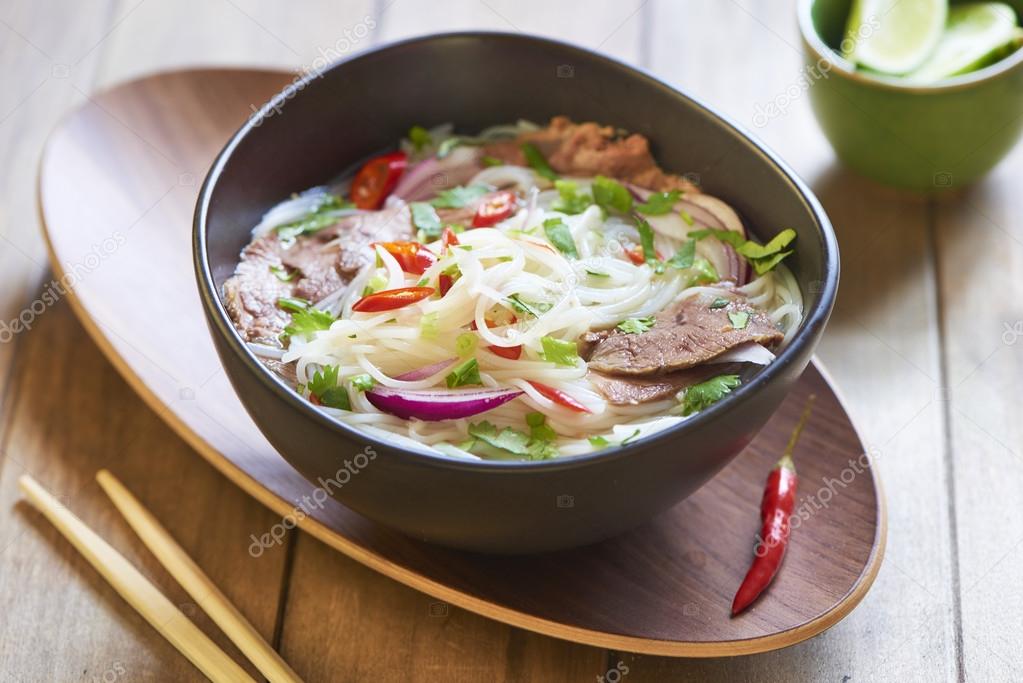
point(674, 602)
point(881, 346)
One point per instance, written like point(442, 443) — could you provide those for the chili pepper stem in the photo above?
point(786, 457)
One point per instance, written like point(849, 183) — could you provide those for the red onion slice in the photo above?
point(434, 405)
point(423, 373)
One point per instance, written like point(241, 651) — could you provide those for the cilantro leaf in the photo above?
point(507, 439)
point(457, 197)
point(659, 203)
point(305, 320)
point(571, 201)
point(536, 161)
point(636, 325)
point(324, 387)
point(560, 236)
point(317, 219)
point(419, 137)
point(684, 257)
point(703, 272)
point(611, 195)
point(763, 257)
point(700, 396)
point(559, 351)
point(362, 382)
point(426, 219)
point(542, 437)
point(466, 372)
point(739, 319)
point(598, 442)
point(646, 240)
point(720, 302)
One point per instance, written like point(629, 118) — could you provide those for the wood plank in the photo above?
point(61, 620)
point(980, 258)
point(882, 341)
point(45, 61)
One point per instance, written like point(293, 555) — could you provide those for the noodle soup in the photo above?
point(526, 293)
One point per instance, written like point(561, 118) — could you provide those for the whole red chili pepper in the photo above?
point(775, 511)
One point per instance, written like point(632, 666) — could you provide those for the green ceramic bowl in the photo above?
point(925, 138)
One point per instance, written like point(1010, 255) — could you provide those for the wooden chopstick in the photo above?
point(136, 589)
point(195, 582)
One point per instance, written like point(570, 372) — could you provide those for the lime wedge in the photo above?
point(893, 36)
point(977, 34)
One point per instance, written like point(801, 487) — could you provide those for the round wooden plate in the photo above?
point(118, 183)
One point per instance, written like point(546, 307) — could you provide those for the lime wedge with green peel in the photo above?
point(976, 35)
point(893, 36)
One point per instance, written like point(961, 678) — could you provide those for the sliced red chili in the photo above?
point(509, 352)
point(560, 397)
point(444, 282)
point(413, 257)
point(391, 299)
point(448, 238)
point(376, 179)
point(637, 256)
point(494, 209)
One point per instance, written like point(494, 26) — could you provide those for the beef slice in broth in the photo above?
point(318, 265)
point(588, 149)
point(684, 335)
point(630, 391)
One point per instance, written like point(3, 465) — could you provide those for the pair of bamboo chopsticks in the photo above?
point(147, 598)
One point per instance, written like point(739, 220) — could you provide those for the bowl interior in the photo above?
point(823, 26)
point(351, 111)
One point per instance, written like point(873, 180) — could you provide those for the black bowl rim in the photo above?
point(814, 319)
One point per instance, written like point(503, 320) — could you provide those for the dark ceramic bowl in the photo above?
point(364, 105)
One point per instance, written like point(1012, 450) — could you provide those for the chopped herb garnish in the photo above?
point(419, 137)
point(636, 325)
point(489, 161)
point(739, 319)
point(763, 257)
point(317, 219)
point(535, 309)
point(597, 273)
point(466, 372)
point(429, 325)
point(324, 387)
point(537, 162)
point(611, 195)
point(458, 197)
point(282, 274)
point(560, 236)
point(465, 344)
point(630, 437)
point(684, 257)
point(598, 442)
point(559, 351)
point(659, 203)
point(646, 241)
point(686, 217)
point(720, 302)
point(703, 273)
point(375, 284)
point(538, 445)
point(305, 320)
point(362, 382)
point(700, 396)
point(425, 217)
point(571, 201)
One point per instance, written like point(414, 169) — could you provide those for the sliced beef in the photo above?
point(626, 391)
point(320, 264)
point(684, 335)
point(588, 149)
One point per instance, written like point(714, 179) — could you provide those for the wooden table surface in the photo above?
point(922, 344)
